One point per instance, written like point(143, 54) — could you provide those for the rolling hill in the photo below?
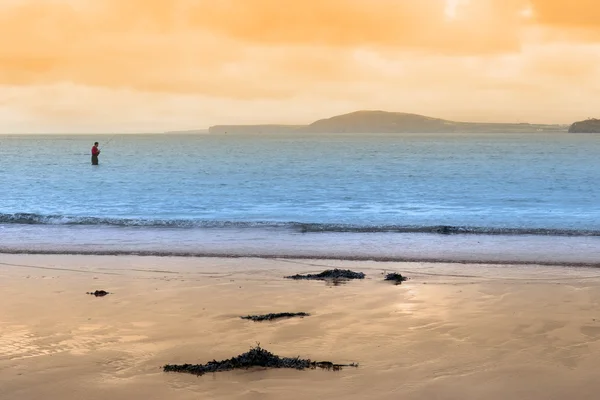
point(387, 122)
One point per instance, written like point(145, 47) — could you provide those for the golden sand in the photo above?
point(452, 331)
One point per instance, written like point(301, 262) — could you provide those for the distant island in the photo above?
point(270, 128)
point(189, 132)
point(591, 125)
point(387, 122)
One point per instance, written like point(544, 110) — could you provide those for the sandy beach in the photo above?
point(453, 331)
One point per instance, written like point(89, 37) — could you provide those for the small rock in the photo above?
point(98, 293)
point(395, 277)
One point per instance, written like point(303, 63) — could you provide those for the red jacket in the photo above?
point(95, 151)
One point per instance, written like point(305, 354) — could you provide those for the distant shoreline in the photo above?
point(316, 257)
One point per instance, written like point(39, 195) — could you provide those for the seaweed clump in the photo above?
point(396, 278)
point(330, 274)
point(271, 317)
point(98, 293)
point(256, 357)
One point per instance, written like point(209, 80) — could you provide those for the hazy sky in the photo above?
point(155, 65)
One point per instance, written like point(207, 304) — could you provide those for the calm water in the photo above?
point(184, 191)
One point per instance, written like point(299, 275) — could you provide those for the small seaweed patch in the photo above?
point(256, 357)
point(98, 293)
point(396, 278)
point(271, 317)
point(330, 274)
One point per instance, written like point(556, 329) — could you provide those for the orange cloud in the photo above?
point(393, 54)
point(567, 21)
point(568, 13)
point(223, 47)
point(419, 24)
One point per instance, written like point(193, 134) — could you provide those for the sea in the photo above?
point(489, 198)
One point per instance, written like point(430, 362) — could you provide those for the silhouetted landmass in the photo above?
point(237, 129)
point(190, 132)
point(387, 122)
point(256, 357)
point(591, 125)
point(330, 274)
point(395, 277)
point(271, 317)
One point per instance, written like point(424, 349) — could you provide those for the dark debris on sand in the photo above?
point(271, 317)
point(256, 357)
point(396, 278)
point(330, 274)
point(98, 293)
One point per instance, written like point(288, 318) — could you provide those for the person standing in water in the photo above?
point(95, 153)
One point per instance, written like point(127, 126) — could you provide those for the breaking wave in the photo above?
point(39, 219)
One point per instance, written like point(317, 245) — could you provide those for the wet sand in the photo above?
point(453, 331)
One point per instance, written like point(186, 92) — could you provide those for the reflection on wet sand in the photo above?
point(451, 331)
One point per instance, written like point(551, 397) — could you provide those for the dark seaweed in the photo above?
point(256, 357)
point(98, 293)
point(270, 317)
point(331, 274)
point(395, 277)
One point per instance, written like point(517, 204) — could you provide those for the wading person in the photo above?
point(95, 154)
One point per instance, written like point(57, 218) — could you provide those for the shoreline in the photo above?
point(281, 256)
point(236, 243)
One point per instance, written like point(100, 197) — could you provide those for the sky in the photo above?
point(92, 66)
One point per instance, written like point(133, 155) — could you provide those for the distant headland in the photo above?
point(591, 125)
point(387, 122)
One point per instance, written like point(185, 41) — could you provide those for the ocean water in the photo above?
point(487, 197)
